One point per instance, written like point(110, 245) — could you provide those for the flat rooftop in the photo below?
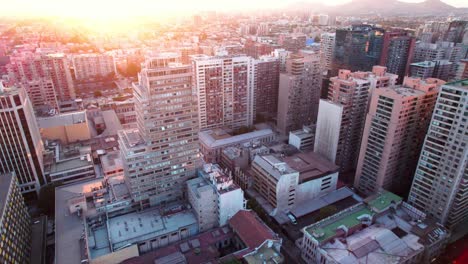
point(213, 139)
point(140, 226)
point(65, 119)
point(70, 164)
point(352, 217)
point(310, 165)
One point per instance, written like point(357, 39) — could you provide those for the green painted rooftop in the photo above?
point(328, 228)
point(384, 200)
point(349, 221)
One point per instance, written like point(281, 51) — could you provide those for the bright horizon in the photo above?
point(120, 9)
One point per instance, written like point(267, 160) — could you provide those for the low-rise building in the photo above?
point(68, 163)
point(287, 181)
point(97, 222)
point(212, 142)
point(66, 127)
point(214, 197)
point(303, 139)
point(382, 229)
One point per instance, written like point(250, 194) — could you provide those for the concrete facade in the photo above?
point(351, 91)
point(225, 90)
point(439, 184)
point(299, 92)
point(21, 147)
point(395, 127)
point(163, 153)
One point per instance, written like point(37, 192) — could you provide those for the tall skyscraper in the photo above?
point(395, 127)
point(30, 67)
point(162, 154)
point(266, 82)
point(299, 92)
point(15, 222)
point(225, 90)
point(397, 52)
point(341, 118)
point(357, 48)
point(440, 181)
point(21, 146)
point(327, 47)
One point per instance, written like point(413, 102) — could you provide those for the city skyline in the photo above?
point(131, 9)
point(229, 132)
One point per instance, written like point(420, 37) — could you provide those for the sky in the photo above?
point(125, 8)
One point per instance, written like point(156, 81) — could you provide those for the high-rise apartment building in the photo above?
point(395, 127)
point(456, 31)
point(93, 65)
point(225, 91)
point(341, 118)
point(440, 69)
point(21, 146)
point(357, 48)
point(266, 82)
point(453, 52)
point(327, 47)
point(440, 184)
point(15, 222)
point(42, 94)
point(30, 67)
point(397, 52)
point(162, 154)
point(299, 92)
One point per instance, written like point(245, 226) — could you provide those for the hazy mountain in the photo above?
point(387, 7)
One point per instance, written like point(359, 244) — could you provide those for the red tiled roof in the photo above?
point(251, 230)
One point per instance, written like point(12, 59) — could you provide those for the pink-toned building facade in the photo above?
point(352, 90)
point(394, 131)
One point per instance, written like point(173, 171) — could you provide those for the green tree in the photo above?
point(132, 69)
point(317, 39)
point(97, 93)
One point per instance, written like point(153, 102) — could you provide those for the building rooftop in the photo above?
point(430, 64)
point(71, 163)
point(251, 230)
point(382, 229)
point(213, 139)
point(69, 228)
point(140, 226)
point(65, 119)
point(310, 165)
point(111, 161)
point(197, 249)
point(320, 202)
point(352, 217)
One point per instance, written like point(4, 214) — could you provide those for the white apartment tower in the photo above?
point(440, 184)
point(162, 154)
